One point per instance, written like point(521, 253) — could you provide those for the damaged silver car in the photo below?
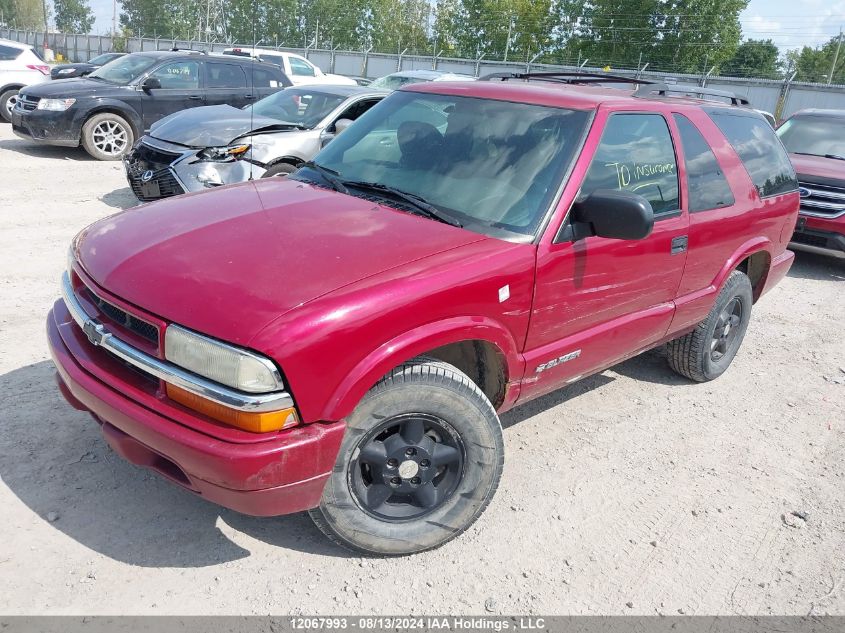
point(218, 145)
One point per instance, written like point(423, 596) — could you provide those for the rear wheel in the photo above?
point(707, 351)
point(107, 136)
point(279, 169)
point(7, 103)
point(421, 459)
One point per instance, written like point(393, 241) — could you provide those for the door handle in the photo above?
point(195, 98)
point(249, 96)
point(679, 244)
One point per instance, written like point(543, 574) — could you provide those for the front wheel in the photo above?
point(421, 459)
point(107, 136)
point(279, 169)
point(706, 352)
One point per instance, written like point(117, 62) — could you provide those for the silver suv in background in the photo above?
point(20, 65)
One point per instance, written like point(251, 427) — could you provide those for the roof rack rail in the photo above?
point(664, 90)
point(567, 78)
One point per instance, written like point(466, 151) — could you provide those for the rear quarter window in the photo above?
point(760, 151)
point(708, 188)
point(8, 53)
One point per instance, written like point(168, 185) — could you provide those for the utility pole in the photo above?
point(508, 41)
point(835, 58)
point(114, 18)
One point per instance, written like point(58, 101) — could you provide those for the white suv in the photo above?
point(20, 66)
point(298, 69)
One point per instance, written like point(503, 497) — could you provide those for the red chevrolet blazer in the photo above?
point(343, 340)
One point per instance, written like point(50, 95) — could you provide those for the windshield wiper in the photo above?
point(833, 156)
point(419, 203)
point(329, 175)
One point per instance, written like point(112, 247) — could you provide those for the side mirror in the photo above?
point(619, 215)
point(151, 83)
point(341, 124)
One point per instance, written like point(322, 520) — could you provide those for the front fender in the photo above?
point(117, 106)
point(415, 343)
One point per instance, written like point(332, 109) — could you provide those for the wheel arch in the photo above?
point(296, 161)
point(12, 86)
point(754, 258)
point(480, 347)
point(120, 110)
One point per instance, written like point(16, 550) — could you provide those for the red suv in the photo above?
point(815, 140)
point(344, 340)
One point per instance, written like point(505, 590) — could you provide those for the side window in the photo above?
point(760, 150)
point(708, 188)
point(183, 75)
point(301, 67)
point(357, 109)
point(225, 75)
point(262, 78)
point(636, 154)
point(8, 53)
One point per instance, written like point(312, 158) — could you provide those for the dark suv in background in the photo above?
point(815, 140)
point(117, 103)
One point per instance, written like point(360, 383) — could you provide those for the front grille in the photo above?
point(823, 201)
point(143, 159)
point(25, 102)
point(120, 317)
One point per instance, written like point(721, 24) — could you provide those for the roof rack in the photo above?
point(567, 78)
point(664, 90)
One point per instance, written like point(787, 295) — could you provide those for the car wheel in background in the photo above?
point(420, 461)
point(7, 102)
point(279, 169)
point(107, 136)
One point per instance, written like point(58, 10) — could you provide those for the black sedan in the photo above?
point(66, 71)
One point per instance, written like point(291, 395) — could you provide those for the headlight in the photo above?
point(55, 105)
point(233, 152)
point(65, 71)
point(226, 364)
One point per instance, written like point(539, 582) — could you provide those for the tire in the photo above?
point(7, 102)
point(443, 416)
point(705, 353)
point(107, 136)
point(279, 169)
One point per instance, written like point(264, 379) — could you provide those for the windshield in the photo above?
point(816, 135)
point(493, 166)
point(394, 82)
point(103, 59)
point(298, 105)
point(124, 69)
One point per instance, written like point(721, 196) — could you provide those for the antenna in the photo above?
point(252, 91)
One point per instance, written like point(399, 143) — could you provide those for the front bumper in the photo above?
point(825, 236)
point(157, 169)
point(275, 474)
point(50, 128)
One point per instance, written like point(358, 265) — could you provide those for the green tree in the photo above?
point(814, 64)
point(22, 14)
point(73, 16)
point(754, 58)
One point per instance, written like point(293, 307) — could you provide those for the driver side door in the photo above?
point(181, 88)
point(599, 300)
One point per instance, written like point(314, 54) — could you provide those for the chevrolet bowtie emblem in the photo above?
point(95, 332)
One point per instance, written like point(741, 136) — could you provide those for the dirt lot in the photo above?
point(633, 491)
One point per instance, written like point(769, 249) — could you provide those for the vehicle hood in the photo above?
point(73, 87)
point(229, 261)
point(809, 167)
point(211, 126)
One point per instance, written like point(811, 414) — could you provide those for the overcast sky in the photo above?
point(779, 20)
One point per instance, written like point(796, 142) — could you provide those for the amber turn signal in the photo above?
point(254, 422)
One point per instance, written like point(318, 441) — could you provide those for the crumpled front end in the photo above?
point(157, 169)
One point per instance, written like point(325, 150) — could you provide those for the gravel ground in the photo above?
point(631, 492)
